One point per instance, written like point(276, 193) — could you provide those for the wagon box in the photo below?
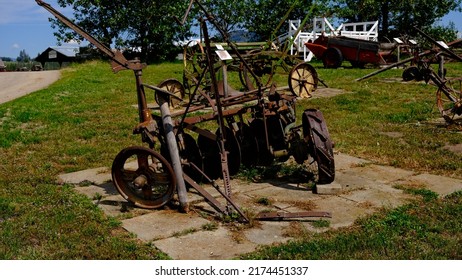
point(334, 50)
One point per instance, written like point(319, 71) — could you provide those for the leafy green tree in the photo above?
point(23, 56)
point(396, 17)
point(265, 16)
point(146, 27)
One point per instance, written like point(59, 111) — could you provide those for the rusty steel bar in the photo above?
point(286, 215)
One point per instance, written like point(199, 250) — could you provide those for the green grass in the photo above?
point(420, 230)
point(83, 120)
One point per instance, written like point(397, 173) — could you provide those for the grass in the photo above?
point(420, 230)
point(83, 120)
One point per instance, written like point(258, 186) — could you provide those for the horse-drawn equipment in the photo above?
point(254, 127)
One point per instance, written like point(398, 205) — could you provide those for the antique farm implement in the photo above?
point(264, 59)
point(449, 92)
point(256, 127)
point(334, 50)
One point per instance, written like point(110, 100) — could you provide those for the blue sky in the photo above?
point(24, 26)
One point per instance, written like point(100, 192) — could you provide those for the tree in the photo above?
point(23, 56)
point(140, 26)
point(266, 15)
point(396, 17)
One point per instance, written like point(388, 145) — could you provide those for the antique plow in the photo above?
point(256, 127)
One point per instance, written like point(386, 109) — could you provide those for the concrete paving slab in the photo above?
point(97, 176)
point(162, 224)
point(380, 196)
point(439, 184)
point(205, 245)
point(105, 189)
point(361, 188)
point(343, 161)
point(268, 233)
point(344, 211)
point(379, 173)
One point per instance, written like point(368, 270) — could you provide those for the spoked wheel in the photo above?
point(194, 63)
point(449, 99)
point(143, 177)
point(303, 80)
point(261, 65)
point(174, 87)
point(320, 145)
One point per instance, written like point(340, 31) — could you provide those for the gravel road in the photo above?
point(17, 84)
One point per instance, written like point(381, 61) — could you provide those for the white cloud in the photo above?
point(15, 46)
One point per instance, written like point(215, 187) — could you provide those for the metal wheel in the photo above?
point(174, 87)
point(261, 65)
point(449, 99)
point(194, 63)
point(332, 58)
point(303, 80)
point(412, 73)
point(143, 177)
point(320, 146)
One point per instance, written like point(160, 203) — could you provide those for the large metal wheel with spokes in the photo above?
point(303, 80)
point(143, 177)
point(176, 88)
point(320, 145)
point(449, 99)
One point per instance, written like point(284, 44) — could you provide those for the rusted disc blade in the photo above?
point(211, 154)
point(248, 144)
point(233, 149)
point(191, 154)
point(265, 157)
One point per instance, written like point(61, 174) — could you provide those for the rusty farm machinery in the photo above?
point(256, 127)
point(449, 92)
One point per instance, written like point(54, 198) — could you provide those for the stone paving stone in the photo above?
point(364, 187)
point(379, 196)
point(439, 184)
point(162, 224)
point(268, 232)
point(204, 245)
point(344, 211)
point(96, 176)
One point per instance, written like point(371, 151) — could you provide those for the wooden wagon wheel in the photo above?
point(174, 87)
point(303, 80)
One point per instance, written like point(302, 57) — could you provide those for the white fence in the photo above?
point(321, 26)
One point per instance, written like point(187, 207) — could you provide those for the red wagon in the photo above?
point(334, 50)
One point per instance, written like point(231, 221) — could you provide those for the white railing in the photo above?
point(321, 26)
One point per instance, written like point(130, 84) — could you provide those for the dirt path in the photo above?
point(17, 84)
